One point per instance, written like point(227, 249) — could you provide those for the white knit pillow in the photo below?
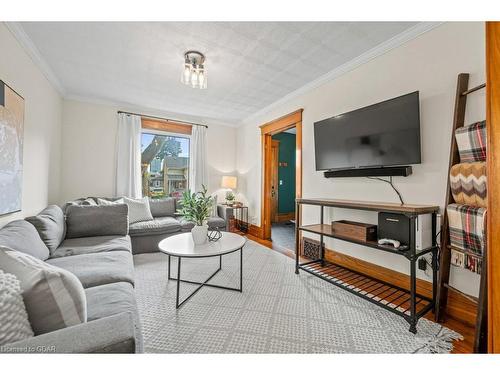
point(14, 325)
point(138, 209)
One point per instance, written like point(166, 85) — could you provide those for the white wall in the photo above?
point(430, 63)
point(42, 127)
point(88, 150)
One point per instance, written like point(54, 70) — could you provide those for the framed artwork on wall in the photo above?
point(11, 149)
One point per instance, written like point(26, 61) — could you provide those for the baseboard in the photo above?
point(287, 216)
point(459, 307)
point(256, 231)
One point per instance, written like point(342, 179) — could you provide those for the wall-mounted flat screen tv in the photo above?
point(382, 134)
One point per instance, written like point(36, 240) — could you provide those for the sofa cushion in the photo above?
point(158, 225)
point(100, 268)
point(90, 245)
point(22, 236)
point(162, 207)
point(50, 225)
point(216, 222)
point(92, 221)
point(110, 299)
point(54, 297)
point(138, 209)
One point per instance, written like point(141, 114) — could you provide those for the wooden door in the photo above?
point(292, 120)
point(275, 147)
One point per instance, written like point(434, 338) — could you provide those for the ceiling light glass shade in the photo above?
point(194, 73)
point(186, 74)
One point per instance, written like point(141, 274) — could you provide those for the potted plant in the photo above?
point(195, 207)
point(230, 198)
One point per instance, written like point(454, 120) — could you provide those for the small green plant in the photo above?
point(195, 207)
point(229, 196)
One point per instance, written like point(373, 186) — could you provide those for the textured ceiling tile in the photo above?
point(250, 64)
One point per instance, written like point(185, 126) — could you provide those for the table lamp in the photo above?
point(229, 182)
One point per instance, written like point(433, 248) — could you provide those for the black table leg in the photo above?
point(204, 283)
point(168, 268)
point(413, 278)
point(241, 270)
point(178, 282)
point(297, 237)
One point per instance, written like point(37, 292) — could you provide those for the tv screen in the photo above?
point(382, 134)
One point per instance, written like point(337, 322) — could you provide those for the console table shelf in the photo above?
point(387, 296)
point(406, 303)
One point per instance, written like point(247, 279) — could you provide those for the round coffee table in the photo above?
point(182, 246)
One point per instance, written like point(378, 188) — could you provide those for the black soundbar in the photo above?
point(370, 172)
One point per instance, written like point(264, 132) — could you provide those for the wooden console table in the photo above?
point(407, 303)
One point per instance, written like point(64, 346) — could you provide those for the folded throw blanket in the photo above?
point(471, 141)
point(468, 183)
point(466, 224)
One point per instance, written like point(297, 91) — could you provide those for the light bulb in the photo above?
point(187, 73)
point(194, 78)
point(201, 78)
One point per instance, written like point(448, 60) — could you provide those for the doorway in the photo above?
point(278, 193)
point(283, 189)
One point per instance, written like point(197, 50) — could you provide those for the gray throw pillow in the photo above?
point(54, 297)
point(15, 324)
point(50, 226)
point(92, 221)
point(106, 202)
point(22, 236)
point(162, 207)
point(138, 209)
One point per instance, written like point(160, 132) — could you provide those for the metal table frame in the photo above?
point(204, 283)
point(412, 255)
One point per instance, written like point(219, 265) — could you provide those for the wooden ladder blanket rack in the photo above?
point(480, 341)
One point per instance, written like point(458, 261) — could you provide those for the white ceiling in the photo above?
point(250, 64)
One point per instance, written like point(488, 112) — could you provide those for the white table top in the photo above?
point(182, 245)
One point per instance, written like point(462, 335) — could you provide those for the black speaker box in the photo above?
point(394, 227)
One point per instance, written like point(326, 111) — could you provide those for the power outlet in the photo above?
point(422, 264)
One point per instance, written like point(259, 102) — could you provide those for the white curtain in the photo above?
point(198, 166)
point(128, 156)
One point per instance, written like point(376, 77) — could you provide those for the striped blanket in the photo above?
point(466, 225)
point(471, 141)
point(468, 183)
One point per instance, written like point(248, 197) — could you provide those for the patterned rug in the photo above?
point(278, 311)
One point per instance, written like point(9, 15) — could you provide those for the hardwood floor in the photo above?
point(467, 331)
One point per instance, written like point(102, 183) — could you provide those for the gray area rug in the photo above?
point(278, 311)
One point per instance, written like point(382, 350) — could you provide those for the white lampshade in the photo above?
point(229, 182)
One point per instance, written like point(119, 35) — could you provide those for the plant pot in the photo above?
point(199, 233)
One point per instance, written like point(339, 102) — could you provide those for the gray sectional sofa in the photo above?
point(145, 235)
point(105, 267)
point(96, 243)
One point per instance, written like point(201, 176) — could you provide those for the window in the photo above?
point(165, 164)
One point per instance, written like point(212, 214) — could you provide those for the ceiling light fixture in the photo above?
point(194, 73)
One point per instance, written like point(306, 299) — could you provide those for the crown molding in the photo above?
point(384, 47)
point(25, 41)
point(129, 107)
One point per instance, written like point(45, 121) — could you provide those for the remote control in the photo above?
point(387, 241)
